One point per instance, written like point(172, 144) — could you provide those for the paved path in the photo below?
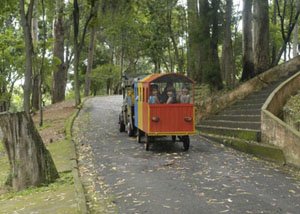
point(207, 179)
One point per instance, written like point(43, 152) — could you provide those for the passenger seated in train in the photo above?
point(184, 96)
point(171, 95)
point(154, 95)
point(164, 96)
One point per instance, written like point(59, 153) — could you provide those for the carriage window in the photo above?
point(143, 94)
point(171, 92)
point(147, 95)
point(140, 94)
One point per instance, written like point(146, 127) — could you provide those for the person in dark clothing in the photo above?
point(164, 96)
point(171, 96)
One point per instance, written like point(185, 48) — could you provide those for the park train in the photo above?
point(143, 118)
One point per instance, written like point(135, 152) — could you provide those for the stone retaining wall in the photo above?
point(291, 112)
point(276, 132)
point(205, 108)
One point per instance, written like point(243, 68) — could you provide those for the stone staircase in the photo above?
point(239, 125)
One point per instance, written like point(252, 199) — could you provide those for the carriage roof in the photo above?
point(168, 77)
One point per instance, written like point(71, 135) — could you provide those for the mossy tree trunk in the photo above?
point(30, 162)
point(248, 61)
point(261, 36)
point(59, 80)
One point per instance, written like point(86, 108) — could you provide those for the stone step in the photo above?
point(241, 112)
point(246, 106)
point(231, 124)
point(246, 134)
point(246, 118)
point(260, 150)
point(257, 96)
point(252, 101)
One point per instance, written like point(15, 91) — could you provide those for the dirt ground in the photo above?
point(54, 120)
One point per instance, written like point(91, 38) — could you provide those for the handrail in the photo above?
point(275, 131)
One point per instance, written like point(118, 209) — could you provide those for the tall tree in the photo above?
point(59, 77)
point(35, 76)
point(213, 75)
point(42, 69)
point(248, 63)
point(261, 36)
point(79, 44)
point(193, 52)
point(76, 52)
point(227, 52)
point(26, 19)
point(90, 62)
point(296, 32)
point(285, 33)
point(273, 34)
point(204, 39)
point(170, 7)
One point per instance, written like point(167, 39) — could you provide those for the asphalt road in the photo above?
point(208, 179)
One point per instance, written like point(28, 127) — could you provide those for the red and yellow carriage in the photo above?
point(167, 114)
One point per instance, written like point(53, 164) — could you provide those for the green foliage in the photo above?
point(12, 62)
point(105, 77)
point(135, 36)
point(1, 147)
point(293, 107)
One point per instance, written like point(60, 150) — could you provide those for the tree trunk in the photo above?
point(193, 53)
point(214, 76)
point(26, 25)
point(76, 53)
point(78, 46)
point(204, 39)
point(261, 36)
point(227, 52)
point(248, 65)
point(296, 32)
point(3, 102)
point(35, 90)
point(172, 37)
point(30, 162)
point(274, 22)
point(285, 36)
point(41, 79)
point(90, 63)
point(35, 79)
point(59, 77)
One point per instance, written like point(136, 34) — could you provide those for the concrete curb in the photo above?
point(263, 151)
point(80, 195)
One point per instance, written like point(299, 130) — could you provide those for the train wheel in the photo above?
point(147, 141)
point(174, 138)
point(121, 126)
point(139, 136)
point(186, 142)
point(130, 131)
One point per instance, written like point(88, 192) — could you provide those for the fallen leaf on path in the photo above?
point(292, 191)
